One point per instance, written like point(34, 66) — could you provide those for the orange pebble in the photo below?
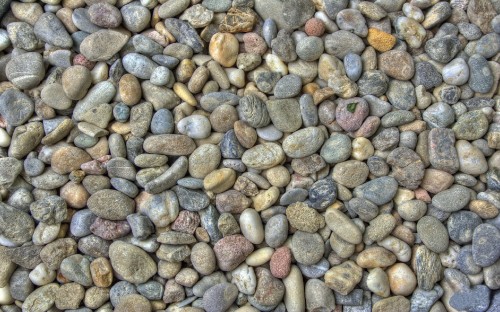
point(380, 40)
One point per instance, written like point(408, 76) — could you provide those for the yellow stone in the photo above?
point(220, 180)
point(380, 40)
point(182, 91)
point(265, 199)
point(224, 48)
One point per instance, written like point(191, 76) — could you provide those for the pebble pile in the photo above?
point(250, 155)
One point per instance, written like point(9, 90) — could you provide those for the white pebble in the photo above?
point(5, 297)
point(236, 77)
point(260, 256)
point(195, 126)
point(456, 72)
point(251, 226)
point(99, 72)
point(42, 275)
point(244, 278)
point(4, 138)
point(294, 291)
point(275, 64)
point(4, 39)
point(45, 233)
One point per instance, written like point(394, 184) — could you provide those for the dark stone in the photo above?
point(486, 245)
point(322, 193)
point(230, 147)
point(426, 75)
point(461, 225)
point(184, 33)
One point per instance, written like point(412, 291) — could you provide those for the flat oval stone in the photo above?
point(169, 144)
point(452, 199)
point(263, 156)
point(131, 263)
point(111, 205)
point(26, 70)
point(379, 191)
point(303, 142)
point(433, 234)
point(103, 44)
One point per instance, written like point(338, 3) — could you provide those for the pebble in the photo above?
point(224, 48)
point(304, 218)
point(397, 64)
point(433, 234)
point(26, 70)
point(481, 77)
point(484, 245)
point(452, 199)
point(342, 42)
point(131, 263)
point(93, 49)
point(443, 49)
point(219, 297)
point(231, 250)
point(344, 277)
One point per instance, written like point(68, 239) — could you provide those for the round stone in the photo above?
point(307, 248)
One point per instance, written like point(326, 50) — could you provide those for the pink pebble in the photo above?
point(314, 27)
point(80, 59)
point(422, 195)
point(281, 262)
point(186, 222)
point(254, 43)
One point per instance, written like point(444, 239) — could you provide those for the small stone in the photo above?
point(304, 218)
point(351, 173)
point(396, 303)
point(379, 191)
point(343, 226)
point(427, 268)
point(231, 250)
point(485, 242)
point(50, 210)
point(224, 49)
point(77, 268)
point(104, 15)
point(433, 234)
point(103, 44)
point(456, 72)
point(442, 49)
point(442, 152)
point(452, 199)
point(219, 297)
point(407, 167)
point(280, 263)
point(380, 40)
point(342, 42)
point(481, 77)
point(402, 280)
point(475, 299)
point(397, 64)
point(111, 204)
point(307, 248)
point(131, 263)
point(172, 8)
point(263, 156)
point(26, 70)
point(344, 277)
point(401, 94)
point(50, 29)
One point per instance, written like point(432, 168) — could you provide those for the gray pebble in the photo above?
point(401, 94)
point(309, 48)
point(139, 65)
point(481, 77)
point(461, 225)
point(486, 245)
point(288, 86)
